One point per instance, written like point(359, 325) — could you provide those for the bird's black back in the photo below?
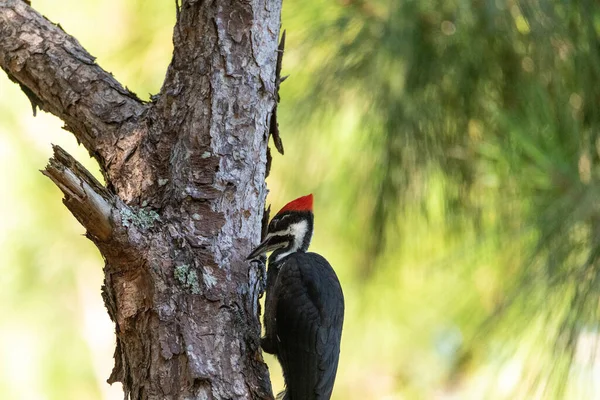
point(309, 317)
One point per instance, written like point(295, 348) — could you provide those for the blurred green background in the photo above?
point(453, 150)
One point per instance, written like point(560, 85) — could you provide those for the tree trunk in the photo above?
point(184, 194)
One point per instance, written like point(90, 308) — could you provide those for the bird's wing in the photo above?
point(268, 342)
point(310, 312)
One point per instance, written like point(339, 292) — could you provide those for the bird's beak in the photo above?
point(270, 244)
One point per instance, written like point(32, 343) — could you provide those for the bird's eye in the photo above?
point(275, 221)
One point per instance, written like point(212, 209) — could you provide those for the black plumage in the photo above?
point(304, 313)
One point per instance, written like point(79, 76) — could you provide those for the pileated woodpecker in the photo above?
point(304, 308)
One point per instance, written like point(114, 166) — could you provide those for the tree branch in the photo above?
point(85, 197)
point(60, 76)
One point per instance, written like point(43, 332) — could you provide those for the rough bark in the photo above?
point(184, 193)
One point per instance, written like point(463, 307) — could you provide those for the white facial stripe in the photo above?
point(281, 255)
point(297, 231)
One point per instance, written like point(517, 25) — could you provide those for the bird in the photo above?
point(304, 305)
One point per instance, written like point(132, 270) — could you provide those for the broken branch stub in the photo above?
point(85, 197)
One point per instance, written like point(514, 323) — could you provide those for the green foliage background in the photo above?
point(453, 151)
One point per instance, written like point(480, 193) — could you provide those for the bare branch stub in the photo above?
point(274, 124)
point(85, 197)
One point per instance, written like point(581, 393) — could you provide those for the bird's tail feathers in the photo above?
point(282, 396)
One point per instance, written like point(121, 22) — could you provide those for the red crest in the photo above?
point(304, 203)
